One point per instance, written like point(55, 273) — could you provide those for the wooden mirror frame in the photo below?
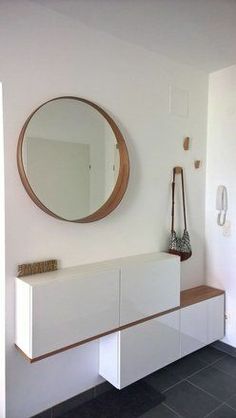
point(123, 176)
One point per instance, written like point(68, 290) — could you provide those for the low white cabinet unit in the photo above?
point(135, 352)
point(134, 307)
point(215, 318)
point(61, 309)
point(193, 327)
point(129, 355)
point(201, 323)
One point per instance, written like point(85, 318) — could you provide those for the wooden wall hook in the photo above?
point(186, 143)
point(178, 170)
point(197, 163)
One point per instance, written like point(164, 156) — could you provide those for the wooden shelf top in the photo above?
point(198, 294)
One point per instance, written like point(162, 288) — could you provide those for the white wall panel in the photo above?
point(221, 169)
point(44, 55)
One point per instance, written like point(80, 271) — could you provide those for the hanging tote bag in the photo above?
point(179, 245)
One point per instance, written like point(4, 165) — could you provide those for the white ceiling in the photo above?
point(201, 33)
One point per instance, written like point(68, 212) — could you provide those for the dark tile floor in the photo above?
point(202, 384)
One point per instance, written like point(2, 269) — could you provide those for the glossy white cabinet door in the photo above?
point(57, 309)
point(64, 312)
point(194, 328)
point(149, 287)
point(201, 324)
point(23, 317)
point(215, 315)
point(129, 355)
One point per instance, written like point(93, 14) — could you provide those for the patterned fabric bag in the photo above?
point(179, 245)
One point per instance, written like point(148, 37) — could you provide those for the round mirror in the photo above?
point(73, 160)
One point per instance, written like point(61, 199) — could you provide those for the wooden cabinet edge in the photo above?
point(198, 294)
point(188, 297)
point(95, 337)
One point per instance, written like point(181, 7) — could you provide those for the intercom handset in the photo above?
point(221, 204)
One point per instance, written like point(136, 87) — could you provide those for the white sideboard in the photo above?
point(201, 324)
point(130, 354)
point(134, 307)
point(61, 309)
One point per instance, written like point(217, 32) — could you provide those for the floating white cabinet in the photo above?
point(148, 288)
point(127, 356)
point(134, 305)
point(64, 308)
point(193, 329)
point(139, 350)
point(201, 324)
point(53, 314)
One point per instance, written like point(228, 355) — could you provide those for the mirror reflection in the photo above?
point(70, 157)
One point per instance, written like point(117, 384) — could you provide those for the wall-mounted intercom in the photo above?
point(221, 204)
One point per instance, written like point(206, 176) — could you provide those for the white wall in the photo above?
point(44, 55)
point(221, 169)
point(2, 267)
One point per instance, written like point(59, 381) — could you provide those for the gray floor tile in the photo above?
point(168, 376)
point(45, 414)
point(163, 379)
point(227, 365)
point(103, 387)
point(186, 366)
point(227, 349)
point(215, 382)
point(232, 402)
point(190, 401)
point(210, 354)
point(223, 412)
point(72, 403)
point(161, 411)
point(130, 402)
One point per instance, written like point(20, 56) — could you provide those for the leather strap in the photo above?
point(173, 198)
